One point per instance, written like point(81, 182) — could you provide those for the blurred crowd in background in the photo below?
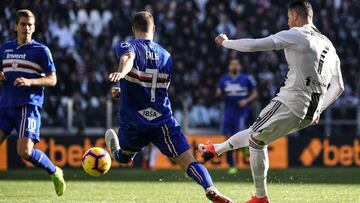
point(81, 35)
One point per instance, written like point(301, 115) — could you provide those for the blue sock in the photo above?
point(123, 158)
point(200, 174)
point(230, 159)
point(39, 159)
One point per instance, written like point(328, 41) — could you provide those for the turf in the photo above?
point(294, 185)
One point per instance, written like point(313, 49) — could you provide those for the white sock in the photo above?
point(239, 140)
point(259, 163)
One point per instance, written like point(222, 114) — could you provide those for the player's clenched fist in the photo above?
point(22, 82)
point(220, 38)
point(115, 77)
point(115, 93)
point(2, 76)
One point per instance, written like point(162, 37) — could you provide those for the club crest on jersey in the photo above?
point(125, 45)
point(150, 114)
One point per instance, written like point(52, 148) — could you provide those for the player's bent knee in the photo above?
point(24, 152)
point(185, 159)
point(255, 143)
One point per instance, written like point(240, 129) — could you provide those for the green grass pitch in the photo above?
point(140, 186)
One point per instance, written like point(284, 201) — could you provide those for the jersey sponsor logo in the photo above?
point(8, 50)
point(15, 56)
point(235, 90)
point(150, 114)
point(310, 81)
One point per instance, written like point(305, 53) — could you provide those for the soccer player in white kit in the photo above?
point(312, 83)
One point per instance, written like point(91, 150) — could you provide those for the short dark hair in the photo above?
point(143, 21)
point(302, 7)
point(23, 13)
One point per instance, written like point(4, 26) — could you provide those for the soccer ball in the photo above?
point(96, 161)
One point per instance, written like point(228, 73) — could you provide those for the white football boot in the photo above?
point(112, 141)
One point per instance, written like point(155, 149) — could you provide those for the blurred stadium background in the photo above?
point(81, 35)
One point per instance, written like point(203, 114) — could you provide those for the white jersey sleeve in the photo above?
point(284, 39)
point(250, 45)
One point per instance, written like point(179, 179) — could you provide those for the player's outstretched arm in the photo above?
point(246, 45)
point(50, 79)
point(125, 65)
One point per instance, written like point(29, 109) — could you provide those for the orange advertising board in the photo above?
point(3, 156)
point(302, 151)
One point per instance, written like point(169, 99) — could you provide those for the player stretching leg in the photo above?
point(27, 67)
point(238, 91)
point(144, 73)
point(313, 82)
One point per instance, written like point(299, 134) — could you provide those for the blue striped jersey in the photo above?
point(144, 98)
point(30, 60)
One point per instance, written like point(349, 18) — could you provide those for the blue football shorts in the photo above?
point(25, 119)
point(167, 137)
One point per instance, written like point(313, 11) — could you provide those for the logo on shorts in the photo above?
point(150, 114)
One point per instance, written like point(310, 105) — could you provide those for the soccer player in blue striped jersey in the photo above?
point(144, 73)
point(237, 90)
point(27, 67)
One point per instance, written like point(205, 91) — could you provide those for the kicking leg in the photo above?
point(239, 140)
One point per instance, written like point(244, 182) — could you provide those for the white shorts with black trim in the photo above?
point(275, 121)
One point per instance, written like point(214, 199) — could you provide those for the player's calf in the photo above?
point(26, 151)
point(24, 147)
point(200, 175)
